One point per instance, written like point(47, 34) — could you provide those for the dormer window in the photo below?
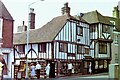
point(79, 30)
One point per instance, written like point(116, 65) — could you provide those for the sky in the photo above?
point(48, 9)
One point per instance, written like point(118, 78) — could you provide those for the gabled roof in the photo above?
point(4, 12)
point(47, 33)
point(95, 17)
point(44, 34)
point(117, 22)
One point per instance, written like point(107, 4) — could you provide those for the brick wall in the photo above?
point(7, 33)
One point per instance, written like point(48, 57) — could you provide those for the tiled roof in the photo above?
point(44, 34)
point(47, 33)
point(117, 22)
point(95, 17)
point(4, 13)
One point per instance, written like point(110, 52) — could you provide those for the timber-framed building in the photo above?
point(81, 40)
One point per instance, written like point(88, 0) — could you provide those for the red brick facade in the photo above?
point(7, 33)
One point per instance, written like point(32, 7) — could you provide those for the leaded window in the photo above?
point(103, 48)
point(63, 47)
point(79, 30)
point(42, 47)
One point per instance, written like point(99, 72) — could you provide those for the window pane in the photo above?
point(63, 47)
point(103, 48)
point(79, 49)
point(42, 47)
point(86, 50)
point(106, 29)
point(79, 30)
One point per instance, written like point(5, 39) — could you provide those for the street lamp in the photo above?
point(28, 36)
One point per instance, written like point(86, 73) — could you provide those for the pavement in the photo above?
point(101, 76)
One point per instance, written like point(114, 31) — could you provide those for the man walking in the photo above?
point(69, 68)
point(38, 67)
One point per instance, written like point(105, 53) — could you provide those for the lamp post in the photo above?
point(28, 36)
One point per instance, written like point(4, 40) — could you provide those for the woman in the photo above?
point(32, 71)
point(4, 67)
point(47, 70)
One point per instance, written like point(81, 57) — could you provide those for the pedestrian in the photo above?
point(69, 68)
point(1, 70)
point(37, 68)
point(19, 75)
point(4, 66)
point(90, 70)
point(32, 71)
point(47, 70)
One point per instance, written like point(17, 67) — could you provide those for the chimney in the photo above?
point(66, 9)
point(116, 12)
point(119, 9)
point(32, 19)
point(22, 28)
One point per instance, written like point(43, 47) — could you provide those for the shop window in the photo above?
point(63, 47)
point(101, 64)
point(105, 64)
point(42, 47)
point(96, 64)
point(102, 48)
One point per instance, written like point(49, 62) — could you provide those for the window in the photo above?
point(92, 28)
point(42, 47)
point(106, 29)
point(21, 49)
point(63, 47)
point(79, 49)
point(0, 28)
point(79, 30)
point(87, 50)
point(103, 48)
point(116, 39)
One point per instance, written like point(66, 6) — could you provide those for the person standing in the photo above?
point(47, 70)
point(19, 75)
point(38, 67)
point(32, 71)
point(1, 70)
point(69, 68)
point(90, 70)
point(4, 66)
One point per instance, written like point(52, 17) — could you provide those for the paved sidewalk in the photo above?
point(103, 76)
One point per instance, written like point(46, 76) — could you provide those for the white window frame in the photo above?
point(1, 26)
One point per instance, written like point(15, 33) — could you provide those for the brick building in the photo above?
point(6, 37)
